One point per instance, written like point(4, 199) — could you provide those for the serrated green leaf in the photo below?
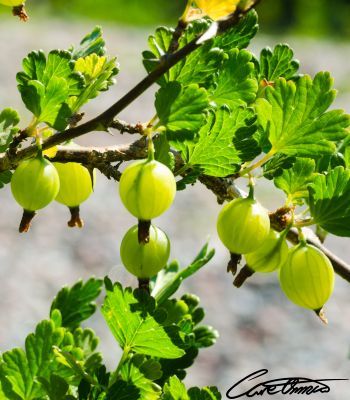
point(92, 43)
point(46, 84)
point(198, 67)
point(181, 108)
point(294, 181)
point(132, 323)
point(174, 389)
point(9, 119)
point(329, 201)
point(20, 368)
point(122, 391)
point(206, 393)
point(133, 375)
point(277, 63)
point(240, 34)
point(76, 304)
point(296, 120)
point(235, 83)
point(225, 142)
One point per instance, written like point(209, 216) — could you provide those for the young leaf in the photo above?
point(235, 83)
point(225, 142)
point(132, 323)
point(92, 43)
point(240, 34)
point(277, 63)
point(181, 108)
point(165, 285)
point(76, 304)
point(98, 72)
point(329, 201)
point(294, 181)
point(295, 118)
point(132, 374)
point(56, 387)
point(9, 119)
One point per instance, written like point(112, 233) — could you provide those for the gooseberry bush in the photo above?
point(221, 113)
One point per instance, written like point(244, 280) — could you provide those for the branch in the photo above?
point(103, 121)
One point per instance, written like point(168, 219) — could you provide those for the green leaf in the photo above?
point(190, 178)
point(98, 72)
point(294, 181)
point(165, 285)
point(181, 108)
point(235, 83)
point(206, 393)
point(9, 119)
point(277, 63)
point(76, 304)
point(122, 391)
point(225, 142)
point(92, 43)
point(46, 85)
point(174, 389)
point(295, 118)
point(21, 368)
point(132, 373)
point(329, 201)
point(240, 34)
point(132, 323)
point(162, 151)
point(205, 336)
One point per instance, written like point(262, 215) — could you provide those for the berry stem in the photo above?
point(75, 220)
point(26, 221)
point(245, 273)
point(144, 284)
point(143, 231)
point(232, 265)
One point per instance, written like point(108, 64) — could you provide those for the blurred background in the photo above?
point(258, 327)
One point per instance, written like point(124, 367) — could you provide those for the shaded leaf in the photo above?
point(9, 119)
point(276, 165)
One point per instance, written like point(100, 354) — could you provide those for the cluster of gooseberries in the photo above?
point(37, 182)
point(305, 273)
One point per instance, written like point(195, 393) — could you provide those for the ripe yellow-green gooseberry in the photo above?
point(76, 185)
point(147, 188)
point(267, 258)
point(307, 278)
point(34, 184)
point(243, 225)
point(145, 260)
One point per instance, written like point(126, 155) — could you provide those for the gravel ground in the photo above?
point(258, 327)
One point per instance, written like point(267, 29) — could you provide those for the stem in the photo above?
point(123, 358)
point(304, 223)
point(258, 164)
point(183, 169)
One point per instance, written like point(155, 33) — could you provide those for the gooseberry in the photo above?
point(34, 185)
point(147, 189)
point(76, 185)
point(307, 277)
point(12, 3)
point(243, 225)
point(145, 260)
